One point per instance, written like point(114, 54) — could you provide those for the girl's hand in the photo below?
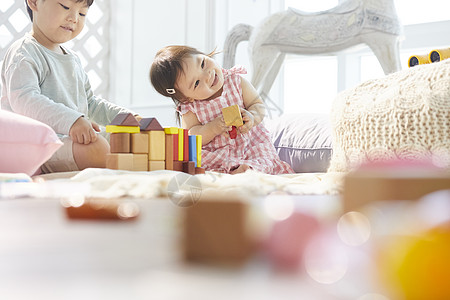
point(218, 126)
point(84, 131)
point(249, 121)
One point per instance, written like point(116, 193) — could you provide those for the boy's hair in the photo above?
point(167, 67)
point(30, 12)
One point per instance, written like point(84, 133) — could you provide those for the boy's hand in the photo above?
point(218, 126)
point(249, 121)
point(84, 131)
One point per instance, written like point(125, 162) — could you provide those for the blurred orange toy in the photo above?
point(419, 267)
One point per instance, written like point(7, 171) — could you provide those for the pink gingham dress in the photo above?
point(223, 154)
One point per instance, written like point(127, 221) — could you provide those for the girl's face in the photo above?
point(57, 21)
point(202, 78)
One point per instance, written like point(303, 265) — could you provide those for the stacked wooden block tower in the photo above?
point(146, 146)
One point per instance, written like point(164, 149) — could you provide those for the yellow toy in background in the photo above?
point(415, 60)
point(439, 54)
point(434, 56)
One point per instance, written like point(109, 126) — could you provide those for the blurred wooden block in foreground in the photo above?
point(100, 209)
point(216, 232)
point(402, 182)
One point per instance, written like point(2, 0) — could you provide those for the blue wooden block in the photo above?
point(193, 149)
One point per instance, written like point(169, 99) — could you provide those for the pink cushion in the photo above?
point(25, 144)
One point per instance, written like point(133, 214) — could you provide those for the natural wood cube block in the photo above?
point(120, 142)
point(169, 152)
point(119, 161)
point(362, 187)
point(140, 162)
point(189, 167)
point(232, 116)
point(154, 165)
point(139, 143)
point(157, 142)
point(216, 231)
point(178, 165)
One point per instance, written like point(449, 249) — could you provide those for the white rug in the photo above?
point(115, 183)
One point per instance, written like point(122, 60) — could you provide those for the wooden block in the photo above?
point(189, 167)
point(119, 161)
point(178, 165)
point(169, 152)
point(116, 129)
point(232, 116)
point(175, 147)
point(364, 186)
point(193, 149)
point(150, 124)
point(180, 143)
point(216, 231)
point(185, 145)
point(157, 145)
point(101, 209)
point(120, 142)
point(139, 143)
point(154, 165)
point(199, 170)
point(140, 162)
point(171, 130)
point(125, 119)
point(199, 150)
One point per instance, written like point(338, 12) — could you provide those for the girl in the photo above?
point(200, 89)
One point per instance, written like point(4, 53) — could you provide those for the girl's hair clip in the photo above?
point(170, 91)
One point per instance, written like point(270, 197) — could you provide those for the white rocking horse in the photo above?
point(373, 22)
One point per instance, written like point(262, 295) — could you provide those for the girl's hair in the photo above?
point(168, 66)
point(30, 12)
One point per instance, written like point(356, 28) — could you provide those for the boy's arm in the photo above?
point(23, 95)
point(208, 131)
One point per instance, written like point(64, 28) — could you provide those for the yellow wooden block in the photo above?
point(232, 116)
point(140, 162)
point(171, 130)
point(154, 165)
point(119, 161)
point(139, 143)
point(180, 143)
point(199, 151)
point(118, 129)
point(157, 145)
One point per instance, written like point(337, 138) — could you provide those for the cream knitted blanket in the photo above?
point(403, 115)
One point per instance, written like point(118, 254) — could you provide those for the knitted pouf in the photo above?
point(404, 115)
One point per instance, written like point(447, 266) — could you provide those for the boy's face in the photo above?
point(57, 21)
point(202, 78)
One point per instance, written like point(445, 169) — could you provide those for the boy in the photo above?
point(45, 81)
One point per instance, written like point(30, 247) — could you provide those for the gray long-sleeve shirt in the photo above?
point(50, 87)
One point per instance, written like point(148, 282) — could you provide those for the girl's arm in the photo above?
point(255, 110)
point(208, 131)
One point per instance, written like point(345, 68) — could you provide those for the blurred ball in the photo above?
point(419, 267)
point(288, 239)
